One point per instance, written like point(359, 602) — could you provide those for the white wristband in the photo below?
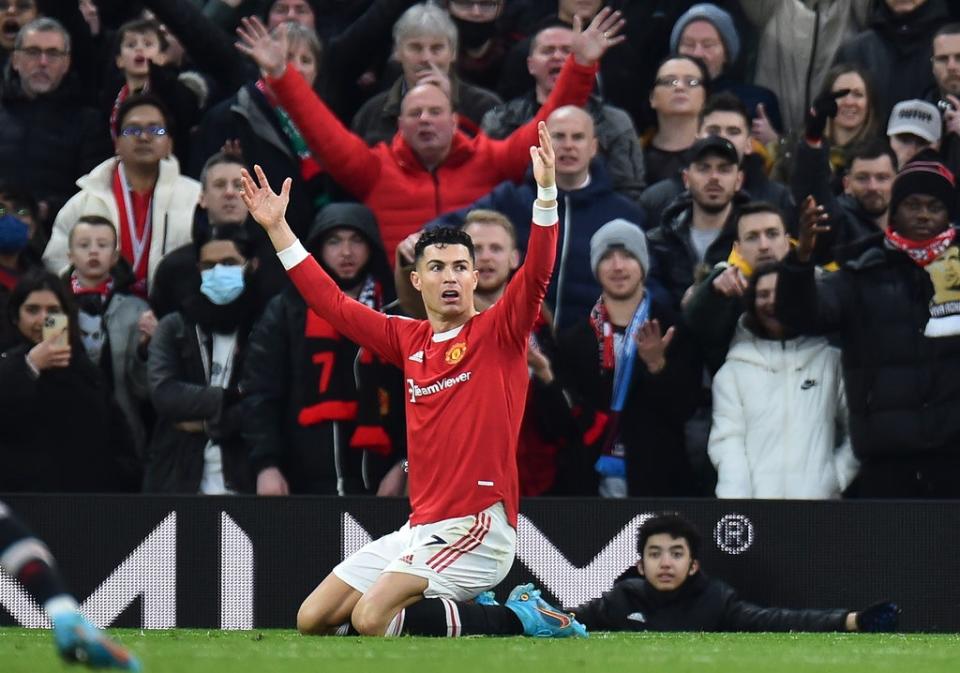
point(547, 193)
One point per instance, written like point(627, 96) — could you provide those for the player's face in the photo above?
point(497, 256)
point(345, 252)
point(34, 310)
point(761, 239)
point(620, 274)
point(666, 562)
point(446, 278)
point(93, 250)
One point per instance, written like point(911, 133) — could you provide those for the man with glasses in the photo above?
point(47, 138)
point(141, 190)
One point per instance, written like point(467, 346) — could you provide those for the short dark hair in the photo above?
point(947, 29)
point(724, 101)
point(442, 237)
point(141, 27)
point(673, 525)
point(35, 281)
point(235, 233)
point(217, 159)
point(139, 100)
point(95, 220)
point(757, 208)
point(872, 149)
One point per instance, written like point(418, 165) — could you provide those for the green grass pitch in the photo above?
point(265, 651)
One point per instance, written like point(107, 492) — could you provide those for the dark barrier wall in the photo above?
point(243, 562)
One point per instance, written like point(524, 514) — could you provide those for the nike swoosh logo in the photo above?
point(559, 616)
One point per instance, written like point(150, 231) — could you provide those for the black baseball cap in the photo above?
point(715, 145)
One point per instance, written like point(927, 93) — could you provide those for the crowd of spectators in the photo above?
point(757, 287)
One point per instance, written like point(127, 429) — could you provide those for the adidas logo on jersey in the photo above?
point(434, 388)
point(417, 357)
point(407, 558)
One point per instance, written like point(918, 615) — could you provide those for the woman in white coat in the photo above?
point(779, 410)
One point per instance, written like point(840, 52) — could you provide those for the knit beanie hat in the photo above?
point(619, 233)
point(925, 175)
point(707, 11)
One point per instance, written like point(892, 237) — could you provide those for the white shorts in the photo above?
point(459, 558)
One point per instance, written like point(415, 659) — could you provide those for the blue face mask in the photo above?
point(222, 284)
point(14, 234)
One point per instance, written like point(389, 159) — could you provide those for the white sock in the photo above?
point(453, 618)
point(395, 627)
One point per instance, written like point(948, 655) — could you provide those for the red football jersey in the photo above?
point(466, 388)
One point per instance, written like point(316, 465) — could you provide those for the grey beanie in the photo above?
point(623, 233)
point(707, 11)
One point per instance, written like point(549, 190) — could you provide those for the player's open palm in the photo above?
point(266, 206)
point(544, 160)
point(268, 52)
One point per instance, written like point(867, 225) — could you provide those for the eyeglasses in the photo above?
point(19, 212)
point(485, 6)
point(689, 82)
point(34, 53)
point(19, 6)
point(137, 131)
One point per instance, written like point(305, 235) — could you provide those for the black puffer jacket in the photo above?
point(49, 141)
point(897, 48)
point(701, 604)
point(903, 388)
point(673, 260)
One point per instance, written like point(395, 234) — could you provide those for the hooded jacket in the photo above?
point(175, 198)
point(390, 179)
point(701, 604)
point(573, 288)
point(899, 48)
point(287, 423)
point(779, 420)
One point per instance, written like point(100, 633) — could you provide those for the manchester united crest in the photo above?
point(456, 352)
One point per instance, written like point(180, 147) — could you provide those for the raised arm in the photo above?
point(346, 156)
point(355, 321)
point(521, 301)
point(573, 87)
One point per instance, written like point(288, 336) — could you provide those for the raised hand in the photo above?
point(437, 77)
point(812, 218)
point(268, 52)
point(824, 108)
point(50, 354)
point(544, 161)
point(761, 128)
point(592, 42)
point(652, 345)
point(266, 206)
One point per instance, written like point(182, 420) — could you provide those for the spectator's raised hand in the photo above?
point(812, 218)
point(437, 77)
point(592, 42)
point(824, 108)
point(407, 248)
point(951, 116)
point(652, 345)
point(268, 52)
point(266, 206)
point(761, 128)
point(50, 353)
point(232, 148)
point(730, 283)
point(544, 161)
point(146, 325)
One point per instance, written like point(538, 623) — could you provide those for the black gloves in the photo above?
point(823, 108)
point(879, 617)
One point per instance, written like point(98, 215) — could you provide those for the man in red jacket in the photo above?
point(430, 167)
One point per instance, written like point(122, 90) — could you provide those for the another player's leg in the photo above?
point(326, 611)
point(27, 559)
point(377, 612)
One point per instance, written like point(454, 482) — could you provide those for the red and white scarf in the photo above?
point(922, 252)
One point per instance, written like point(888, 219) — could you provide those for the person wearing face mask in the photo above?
point(17, 256)
point(195, 362)
point(483, 43)
point(51, 390)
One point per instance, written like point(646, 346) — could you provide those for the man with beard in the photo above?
point(945, 93)
point(299, 386)
point(195, 363)
point(898, 320)
point(863, 208)
point(697, 230)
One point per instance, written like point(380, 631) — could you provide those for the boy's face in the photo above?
point(666, 562)
point(137, 50)
point(93, 250)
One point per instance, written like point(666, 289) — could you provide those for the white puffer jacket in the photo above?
point(780, 420)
